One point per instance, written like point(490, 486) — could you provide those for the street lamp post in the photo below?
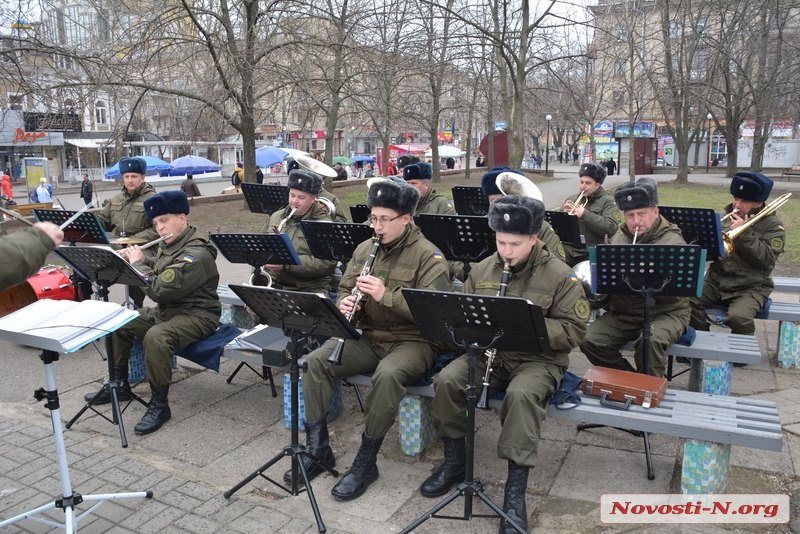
point(708, 141)
point(547, 146)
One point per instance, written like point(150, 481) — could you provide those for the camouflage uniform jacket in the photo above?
point(185, 277)
point(410, 261)
point(749, 268)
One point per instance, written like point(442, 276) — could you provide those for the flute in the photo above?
point(148, 244)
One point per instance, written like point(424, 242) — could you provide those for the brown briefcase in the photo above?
point(624, 387)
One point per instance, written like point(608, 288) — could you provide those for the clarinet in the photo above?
point(491, 353)
point(336, 356)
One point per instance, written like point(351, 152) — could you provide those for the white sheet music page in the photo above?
point(63, 325)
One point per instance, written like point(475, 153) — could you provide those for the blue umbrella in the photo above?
point(192, 165)
point(267, 156)
point(365, 159)
point(154, 166)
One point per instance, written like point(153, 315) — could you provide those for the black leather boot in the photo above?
point(362, 473)
point(318, 445)
point(514, 503)
point(157, 413)
point(452, 470)
point(123, 393)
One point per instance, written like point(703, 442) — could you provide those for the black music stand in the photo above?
point(566, 226)
point(262, 198)
point(470, 200)
point(302, 317)
point(475, 323)
point(647, 270)
point(87, 228)
point(465, 238)
point(334, 240)
point(699, 226)
point(359, 213)
point(105, 268)
point(256, 249)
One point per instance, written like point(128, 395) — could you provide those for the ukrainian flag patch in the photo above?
point(573, 277)
point(438, 255)
point(188, 259)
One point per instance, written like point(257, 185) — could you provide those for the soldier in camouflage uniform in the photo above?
point(312, 275)
point(391, 345)
point(528, 379)
point(598, 219)
point(492, 191)
point(184, 286)
point(124, 216)
point(742, 280)
point(669, 317)
point(419, 175)
point(23, 253)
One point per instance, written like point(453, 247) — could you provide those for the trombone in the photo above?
point(729, 236)
point(580, 202)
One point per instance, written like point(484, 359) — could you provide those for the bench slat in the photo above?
point(785, 284)
point(670, 419)
point(735, 348)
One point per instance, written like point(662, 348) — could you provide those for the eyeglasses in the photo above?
point(383, 220)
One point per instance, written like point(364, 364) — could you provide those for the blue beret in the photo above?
point(132, 165)
point(751, 186)
point(166, 202)
point(488, 185)
point(418, 171)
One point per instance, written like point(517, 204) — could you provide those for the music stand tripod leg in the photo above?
point(295, 449)
point(69, 499)
point(470, 487)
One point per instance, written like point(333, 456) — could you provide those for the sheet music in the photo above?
point(63, 325)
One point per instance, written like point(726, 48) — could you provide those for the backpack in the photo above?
point(235, 178)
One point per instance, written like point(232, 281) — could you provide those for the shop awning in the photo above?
point(90, 143)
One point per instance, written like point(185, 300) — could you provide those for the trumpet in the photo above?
point(580, 202)
point(336, 356)
point(729, 236)
point(492, 353)
point(278, 229)
point(147, 245)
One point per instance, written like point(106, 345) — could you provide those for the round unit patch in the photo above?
point(168, 275)
point(582, 309)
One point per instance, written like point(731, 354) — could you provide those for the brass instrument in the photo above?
point(635, 235)
point(279, 229)
point(492, 353)
point(261, 278)
point(336, 356)
point(729, 236)
point(328, 205)
point(728, 216)
point(511, 183)
point(580, 202)
point(583, 270)
point(316, 166)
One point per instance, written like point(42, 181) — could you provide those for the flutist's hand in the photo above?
point(372, 286)
point(347, 304)
point(133, 253)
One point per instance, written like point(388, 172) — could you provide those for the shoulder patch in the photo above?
point(573, 277)
point(438, 255)
point(616, 216)
point(188, 259)
point(776, 243)
point(582, 309)
point(560, 252)
point(168, 276)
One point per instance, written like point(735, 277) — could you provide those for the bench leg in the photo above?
point(417, 432)
point(336, 401)
point(705, 467)
point(789, 345)
point(711, 376)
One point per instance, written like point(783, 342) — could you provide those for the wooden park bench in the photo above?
point(27, 209)
point(791, 172)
